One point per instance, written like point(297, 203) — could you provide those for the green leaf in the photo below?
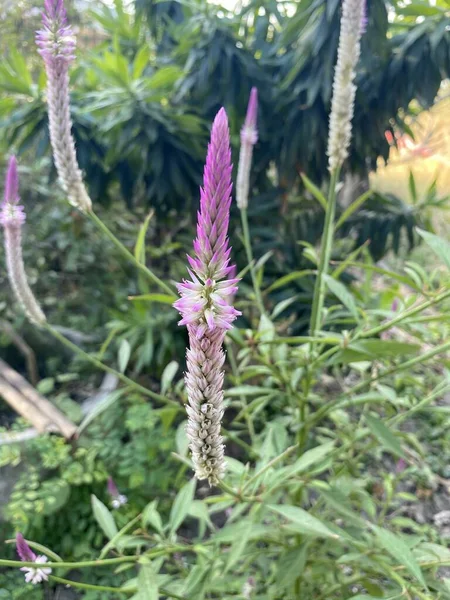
point(151, 516)
point(168, 375)
point(290, 566)
point(352, 208)
point(104, 404)
point(384, 435)
point(181, 506)
point(161, 298)
point(314, 190)
point(398, 549)
point(412, 187)
point(288, 278)
point(104, 518)
point(238, 546)
point(139, 249)
point(342, 293)
point(147, 582)
point(124, 355)
point(44, 550)
point(311, 458)
point(141, 61)
point(376, 348)
point(302, 522)
point(439, 246)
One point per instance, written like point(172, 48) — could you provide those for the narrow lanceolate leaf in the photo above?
point(139, 249)
point(353, 208)
point(343, 294)
point(314, 190)
point(238, 546)
point(104, 518)
point(384, 435)
point(439, 246)
point(399, 550)
point(311, 459)
point(182, 505)
point(303, 522)
point(124, 355)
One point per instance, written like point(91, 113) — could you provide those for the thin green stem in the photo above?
point(128, 255)
point(402, 316)
point(70, 565)
point(249, 252)
point(237, 494)
point(325, 253)
point(270, 464)
point(89, 586)
point(97, 363)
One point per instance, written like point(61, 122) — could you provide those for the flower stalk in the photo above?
point(339, 136)
point(249, 137)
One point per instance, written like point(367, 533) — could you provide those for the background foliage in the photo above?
point(147, 82)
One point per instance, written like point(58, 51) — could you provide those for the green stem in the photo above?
point(97, 363)
point(237, 494)
point(402, 316)
point(128, 255)
point(325, 253)
point(270, 464)
point(70, 565)
point(89, 586)
point(249, 252)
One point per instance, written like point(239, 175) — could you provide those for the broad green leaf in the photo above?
point(314, 190)
point(168, 375)
point(141, 61)
point(104, 518)
point(147, 583)
point(439, 246)
point(181, 505)
point(303, 522)
point(384, 435)
point(343, 294)
point(290, 566)
point(400, 551)
point(238, 546)
point(124, 355)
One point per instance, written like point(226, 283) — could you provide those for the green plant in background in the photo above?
point(326, 447)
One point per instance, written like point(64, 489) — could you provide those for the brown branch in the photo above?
point(24, 349)
point(33, 407)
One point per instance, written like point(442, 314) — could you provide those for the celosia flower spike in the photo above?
point(32, 574)
point(249, 137)
point(344, 89)
point(12, 217)
point(56, 43)
point(205, 306)
point(204, 299)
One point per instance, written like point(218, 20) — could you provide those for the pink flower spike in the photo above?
point(24, 551)
point(205, 307)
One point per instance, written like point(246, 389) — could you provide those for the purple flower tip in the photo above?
point(55, 40)
point(252, 109)
point(364, 18)
point(112, 488)
point(249, 132)
point(12, 182)
point(24, 551)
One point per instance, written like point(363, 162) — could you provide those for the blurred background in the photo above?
point(149, 77)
